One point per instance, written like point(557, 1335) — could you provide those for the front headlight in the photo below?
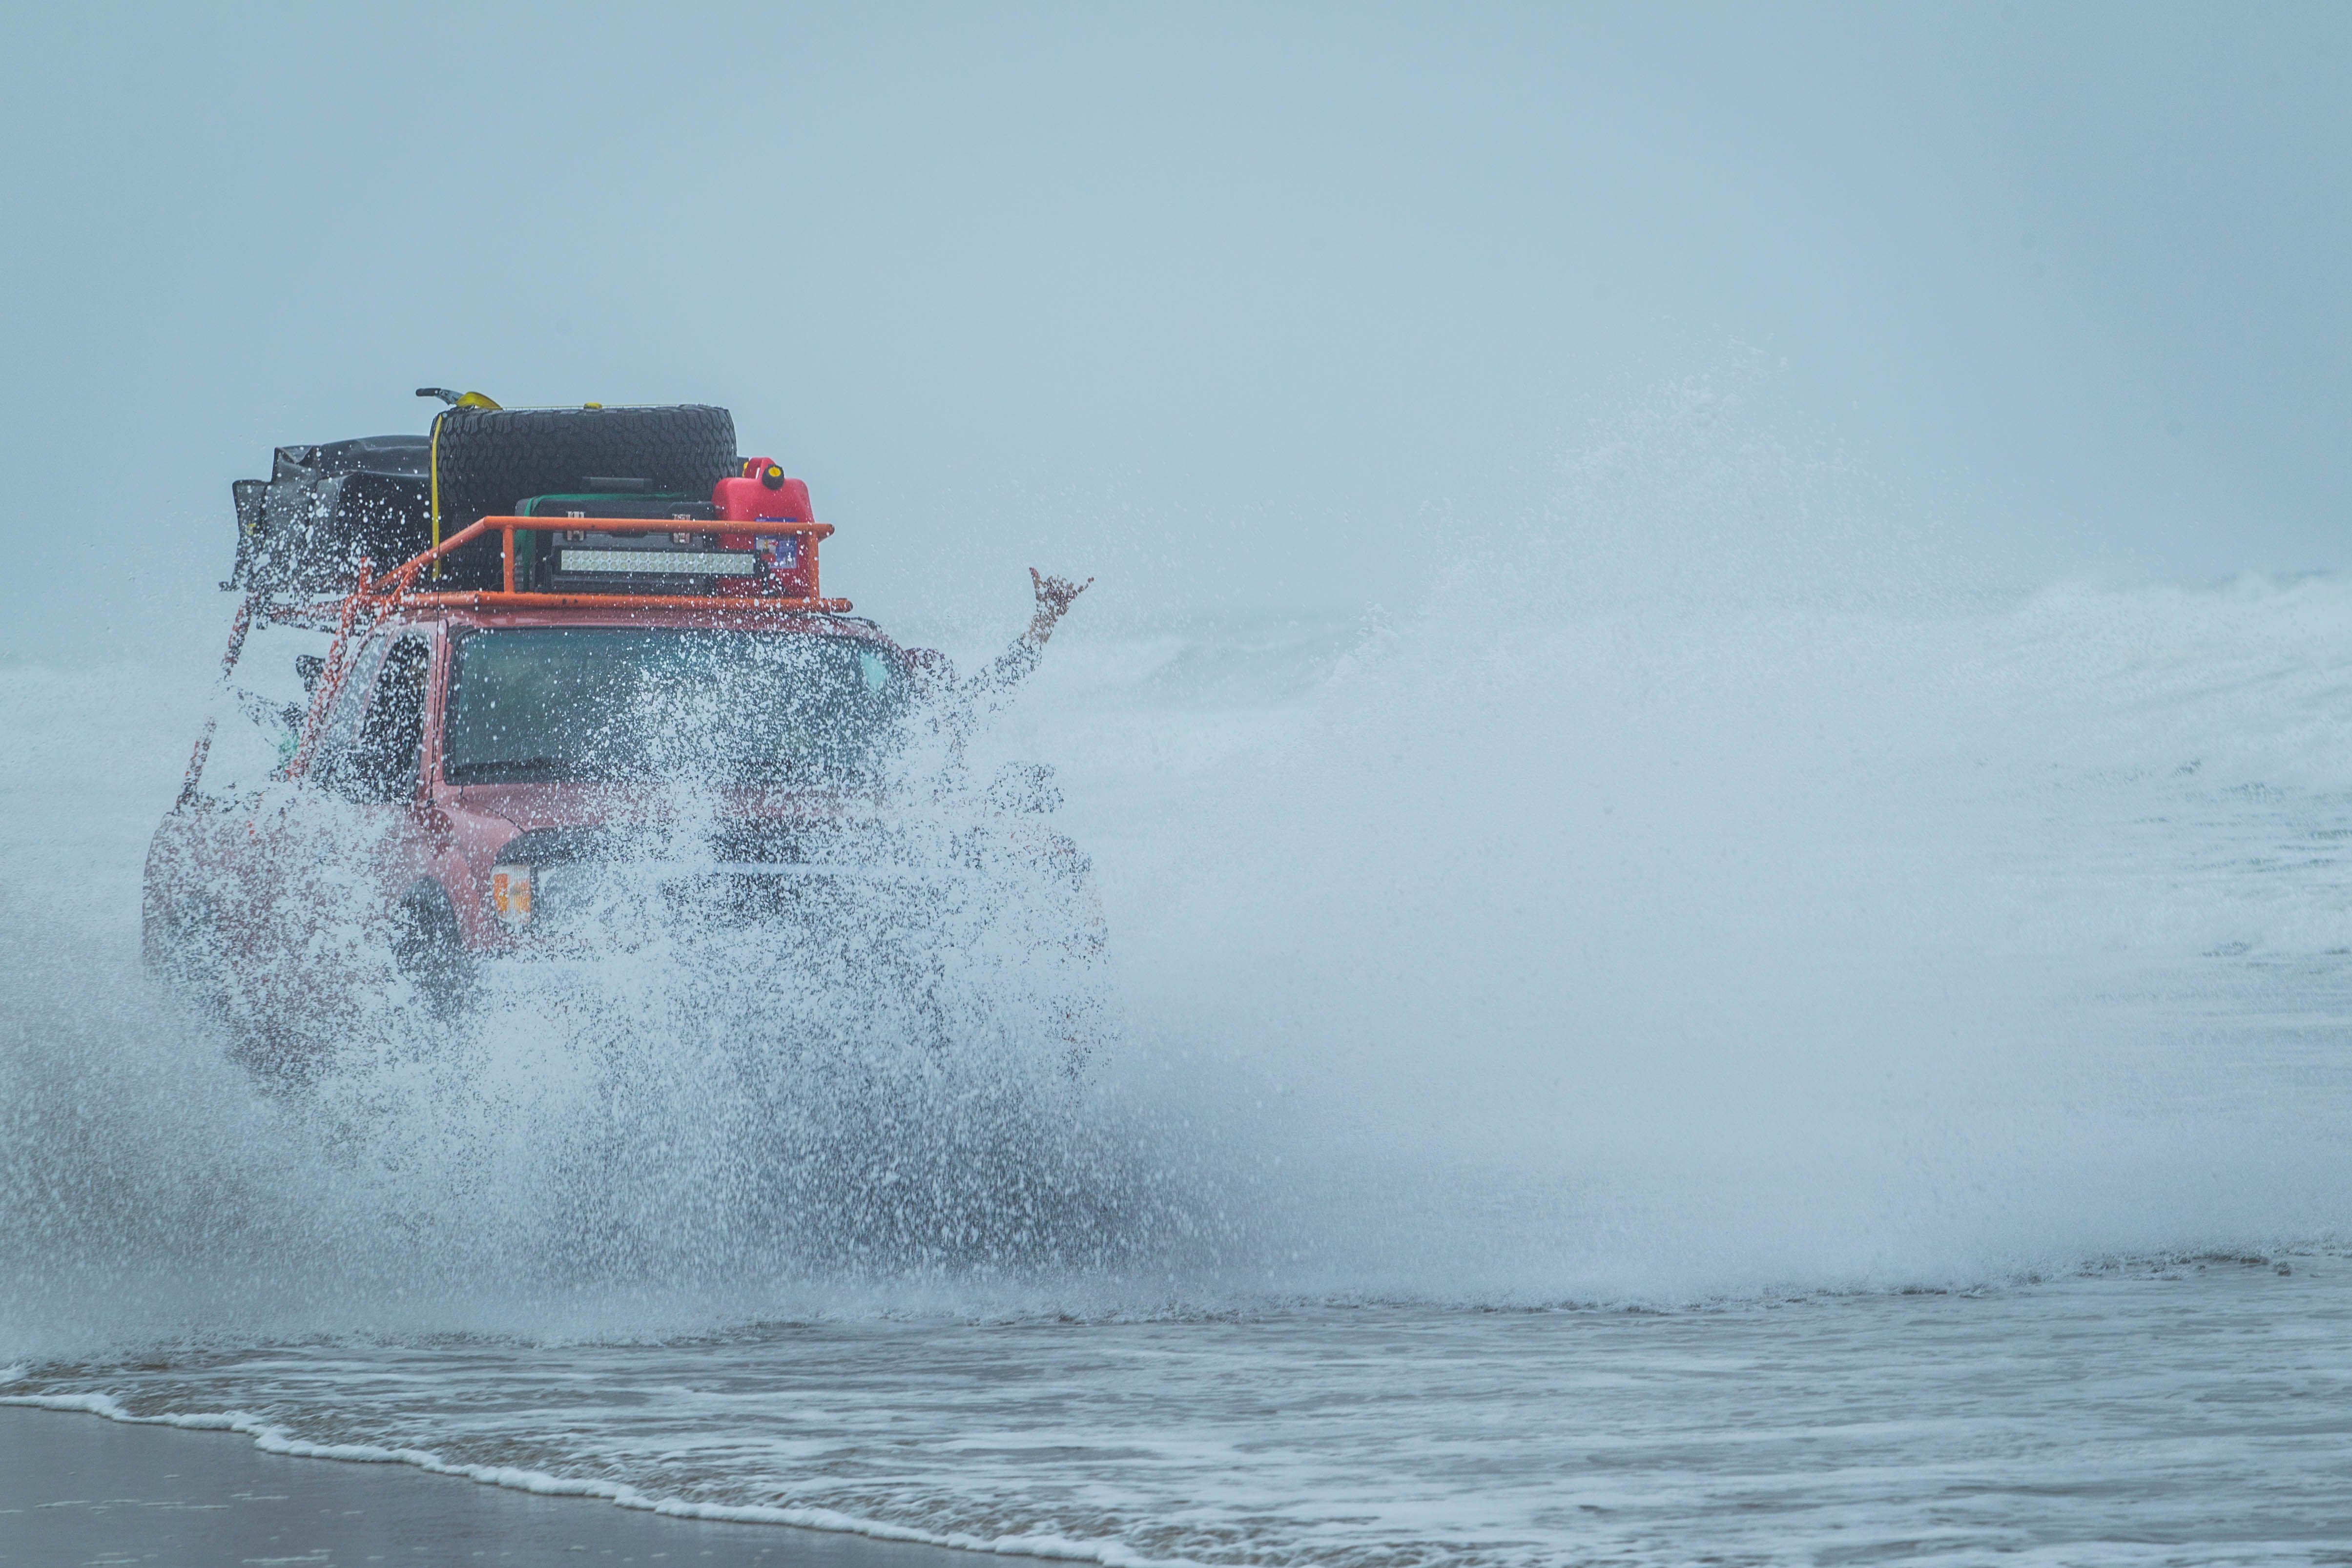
point(510, 895)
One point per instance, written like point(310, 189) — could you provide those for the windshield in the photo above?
point(595, 703)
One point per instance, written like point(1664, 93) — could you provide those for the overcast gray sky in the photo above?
point(1227, 304)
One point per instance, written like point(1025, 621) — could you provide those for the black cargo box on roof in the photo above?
point(325, 508)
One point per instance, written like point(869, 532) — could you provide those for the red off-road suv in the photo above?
point(603, 704)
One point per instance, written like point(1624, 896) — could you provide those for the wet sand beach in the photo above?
point(75, 1489)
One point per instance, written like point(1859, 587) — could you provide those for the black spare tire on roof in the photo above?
point(488, 459)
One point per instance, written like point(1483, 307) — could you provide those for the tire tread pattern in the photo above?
point(490, 458)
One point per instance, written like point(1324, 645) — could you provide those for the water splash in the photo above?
point(1560, 941)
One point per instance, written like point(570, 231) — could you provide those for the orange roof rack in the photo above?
point(400, 583)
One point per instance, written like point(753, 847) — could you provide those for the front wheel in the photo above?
point(181, 943)
point(429, 951)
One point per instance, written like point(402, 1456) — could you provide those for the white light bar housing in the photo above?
point(648, 563)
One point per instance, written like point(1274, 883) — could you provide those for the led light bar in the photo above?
point(645, 563)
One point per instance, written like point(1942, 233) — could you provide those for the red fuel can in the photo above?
point(762, 494)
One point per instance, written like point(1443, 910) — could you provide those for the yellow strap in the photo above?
point(437, 493)
point(470, 400)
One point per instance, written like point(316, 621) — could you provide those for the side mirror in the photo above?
point(1025, 787)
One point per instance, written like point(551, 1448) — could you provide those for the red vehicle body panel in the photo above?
point(448, 833)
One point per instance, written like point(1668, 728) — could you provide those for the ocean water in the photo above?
point(1743, 1074)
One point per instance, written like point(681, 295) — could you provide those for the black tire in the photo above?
point(181, 941)
point(429, 951)
point(490, 458)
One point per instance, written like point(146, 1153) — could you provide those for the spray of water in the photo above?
point(1684, 902)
